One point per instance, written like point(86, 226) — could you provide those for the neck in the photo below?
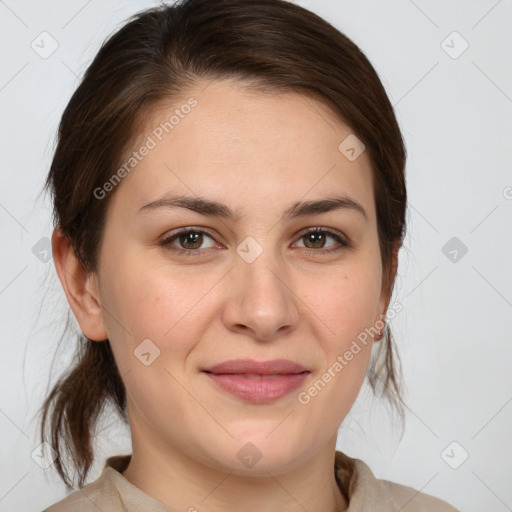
point(183, 483)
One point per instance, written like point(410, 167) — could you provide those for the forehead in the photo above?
point(243, 146)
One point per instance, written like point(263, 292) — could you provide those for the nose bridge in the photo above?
point(263, 276)
point(261, 299)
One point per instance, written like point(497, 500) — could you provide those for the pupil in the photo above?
point(191, 238)
point(316, 238)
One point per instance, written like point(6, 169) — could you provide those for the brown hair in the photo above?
point(273, 45)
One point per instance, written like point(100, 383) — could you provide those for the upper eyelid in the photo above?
point(191, 229)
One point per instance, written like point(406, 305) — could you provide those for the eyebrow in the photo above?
point(216, 209)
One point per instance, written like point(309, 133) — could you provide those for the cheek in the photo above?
point(345, 299)
point(346, 305)
point(169, 313)
point(148, 303)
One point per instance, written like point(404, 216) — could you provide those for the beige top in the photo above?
point(112, 492)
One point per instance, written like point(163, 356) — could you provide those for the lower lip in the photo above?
point(260, 390)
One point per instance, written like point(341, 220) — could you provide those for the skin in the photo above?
point(256, 153)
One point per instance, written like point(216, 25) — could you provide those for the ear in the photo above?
point(80, 287)
point(387, 282)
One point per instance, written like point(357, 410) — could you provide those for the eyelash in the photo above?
point(166, 242)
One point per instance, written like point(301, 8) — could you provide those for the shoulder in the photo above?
point(98, 495)
point(411, 500)
point(368, 493)
point(111, 492)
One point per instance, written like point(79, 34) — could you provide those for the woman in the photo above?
point(229, 200)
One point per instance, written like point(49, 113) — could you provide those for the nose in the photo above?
point(261, 302)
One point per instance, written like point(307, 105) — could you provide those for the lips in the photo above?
point(258, 382)
point(252, 367)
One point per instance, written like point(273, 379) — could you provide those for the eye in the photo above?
point(315, 238)
point(187, 241)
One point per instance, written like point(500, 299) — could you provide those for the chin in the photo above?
point(254, 455)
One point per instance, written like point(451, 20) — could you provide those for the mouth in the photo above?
point(255, 376)
point(252, 367)
point(258, 382)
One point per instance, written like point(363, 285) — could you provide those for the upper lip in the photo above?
point(250, 366)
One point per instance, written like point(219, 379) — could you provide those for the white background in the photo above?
point(454, 334)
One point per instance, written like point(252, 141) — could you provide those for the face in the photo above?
point(253, 283)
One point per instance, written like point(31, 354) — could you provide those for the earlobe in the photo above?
point(380, 325)
point(80, 288)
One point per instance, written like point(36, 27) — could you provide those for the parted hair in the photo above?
point(273, 45)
